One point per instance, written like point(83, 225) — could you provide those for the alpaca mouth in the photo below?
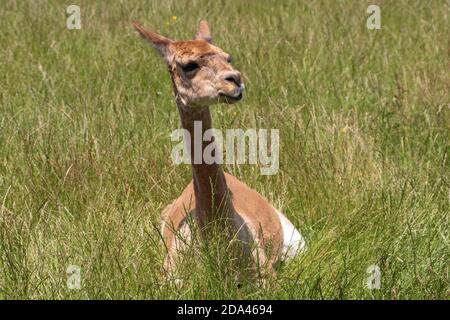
point(231, 99)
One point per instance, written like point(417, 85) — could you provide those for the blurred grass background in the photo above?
point(85, 123)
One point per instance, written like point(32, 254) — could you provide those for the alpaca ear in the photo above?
point(157, 41)
point(203, 31)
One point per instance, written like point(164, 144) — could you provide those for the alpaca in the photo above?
point(202, 75)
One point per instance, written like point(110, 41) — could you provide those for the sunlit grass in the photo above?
point(85, 167)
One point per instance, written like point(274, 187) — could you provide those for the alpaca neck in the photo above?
point(210, 188)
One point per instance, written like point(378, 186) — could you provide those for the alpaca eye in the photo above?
point(190, 67)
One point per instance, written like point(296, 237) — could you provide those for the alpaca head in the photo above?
point(201, 72)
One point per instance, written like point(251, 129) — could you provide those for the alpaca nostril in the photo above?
point(233, 78)
point(230, 79)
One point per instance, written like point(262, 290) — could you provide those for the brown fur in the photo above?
point(212, 192)
point(260, 217)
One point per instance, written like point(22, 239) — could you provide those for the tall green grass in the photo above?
point(85, 167)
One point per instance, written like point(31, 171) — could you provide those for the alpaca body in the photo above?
point(255, 220)
point(202, 75)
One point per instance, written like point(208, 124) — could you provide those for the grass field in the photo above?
point(364, 120)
